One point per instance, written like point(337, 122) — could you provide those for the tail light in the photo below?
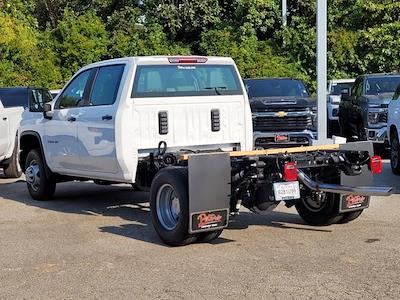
point(375, 164)
point(290, 171)
point(187, 60)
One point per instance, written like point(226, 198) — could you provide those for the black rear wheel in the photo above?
point(169, 204)
point(350, 216)
point(209, 236)
point(319, 210)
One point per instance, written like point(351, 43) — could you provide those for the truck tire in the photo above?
point(13, 170)
point(40, 187)
point(350, 216)
point(319, 213)
point(169, 205)
point(209, 236)
point(395, 153)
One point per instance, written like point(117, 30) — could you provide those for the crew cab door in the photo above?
point(4, 129)
point(96, 126)
point(60, 139)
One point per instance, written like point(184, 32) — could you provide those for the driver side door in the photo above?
point(60, 139)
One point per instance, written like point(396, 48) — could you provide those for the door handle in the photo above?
point(4, 118)
point(71, 119)
point(106, 117)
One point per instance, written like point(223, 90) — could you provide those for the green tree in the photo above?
point(79, 40)
point(254, 58)
point(23, 58)
point(130, 35)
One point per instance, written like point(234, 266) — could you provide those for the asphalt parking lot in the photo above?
point(98, 242)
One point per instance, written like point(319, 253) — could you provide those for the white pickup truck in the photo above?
point(9, 123)
point(182, 126)
point(335, 88)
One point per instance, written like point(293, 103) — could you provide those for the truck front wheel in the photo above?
point(169, 204)
point(319, 210)
point(40, 187)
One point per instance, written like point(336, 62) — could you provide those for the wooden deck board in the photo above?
point(275, 151)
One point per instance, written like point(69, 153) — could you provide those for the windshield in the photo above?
point(14, 97)
point(380, 85)
point(185, 80)
point(336, 88)
point(276, 88)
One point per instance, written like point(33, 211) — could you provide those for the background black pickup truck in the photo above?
point(283, 113)
point(363, 110)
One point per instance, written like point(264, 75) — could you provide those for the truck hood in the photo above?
point(381, 100)
point(257, 103)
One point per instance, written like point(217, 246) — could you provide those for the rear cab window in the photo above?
point(185, 80)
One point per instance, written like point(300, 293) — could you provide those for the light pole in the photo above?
point(284, 13)
point(322, 70)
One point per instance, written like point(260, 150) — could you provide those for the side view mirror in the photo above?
point(47, 111)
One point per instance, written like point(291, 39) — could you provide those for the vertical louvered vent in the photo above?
point(215, 120)
point(163, 122)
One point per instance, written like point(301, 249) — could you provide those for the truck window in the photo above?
point(185, 80)
point(38, 98)
point(336, 88)
point(73, 94)
point(14, 97)
point(381, 85)
point(276, 88)
point(106, 85)
point(37, 101)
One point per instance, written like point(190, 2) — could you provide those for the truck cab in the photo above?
point(112, 114)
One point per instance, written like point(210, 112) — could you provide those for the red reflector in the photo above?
point(187, 60)
point(375, 164)
point(290, 171)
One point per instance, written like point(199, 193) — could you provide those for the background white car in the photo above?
point(335, 88)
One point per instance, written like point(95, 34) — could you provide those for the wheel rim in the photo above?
point(32, 175)
point(168, 207)
point(312, 203)
point(394, 152)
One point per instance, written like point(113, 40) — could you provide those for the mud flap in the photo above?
point(209, 191)
point(356, 202)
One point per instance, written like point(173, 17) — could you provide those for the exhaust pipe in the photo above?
point(343, 189)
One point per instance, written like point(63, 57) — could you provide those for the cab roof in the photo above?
point(165, 60)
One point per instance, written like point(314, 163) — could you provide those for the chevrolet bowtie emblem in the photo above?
point(281, 114)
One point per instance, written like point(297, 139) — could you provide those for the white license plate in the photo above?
point(286, 190)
